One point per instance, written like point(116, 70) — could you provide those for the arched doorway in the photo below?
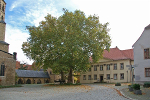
point(28, 81)
point(47, 81)
point(39, 81)
point(20, 81)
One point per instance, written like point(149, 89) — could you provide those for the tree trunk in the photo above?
point(62, 76)
point(70, 76)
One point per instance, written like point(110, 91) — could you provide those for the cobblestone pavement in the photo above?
point(40, 92)
point(130, 95)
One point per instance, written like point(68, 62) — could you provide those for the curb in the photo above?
point(121, 93)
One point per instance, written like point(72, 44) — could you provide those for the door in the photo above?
point(101, 78)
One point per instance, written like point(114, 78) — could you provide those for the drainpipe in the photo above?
point(130, 71)
point(127, 76)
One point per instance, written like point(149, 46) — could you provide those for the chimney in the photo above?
point(15, 55)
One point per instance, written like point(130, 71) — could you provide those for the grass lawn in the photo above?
point(10, 86)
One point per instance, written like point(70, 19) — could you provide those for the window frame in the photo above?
point(121, 67)
point(147, 71)
point(147, 53)
point(107, 76)
point(114, 76)
point(90, 77)
point(121, 77)
point(101, 67)
point(107, 67)
point(95, 67)
point(2, 71)
point(115, 67)
point(94, 76)
point(89, 69)
point(84, 77)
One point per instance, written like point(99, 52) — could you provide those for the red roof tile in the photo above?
point(117, 54)
point(129, 53)
point(17, 64)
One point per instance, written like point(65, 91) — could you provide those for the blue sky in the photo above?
point(127, 19)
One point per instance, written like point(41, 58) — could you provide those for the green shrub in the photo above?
point(118, 84)
point(146, 84)
point(72, 84)
point(136, 86)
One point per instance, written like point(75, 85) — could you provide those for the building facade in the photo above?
point(32, 77)
point(7, 60)
point(111, 69)
point(142, 57)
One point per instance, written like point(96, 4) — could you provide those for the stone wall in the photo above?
point(4, 47)
point(24, 80)
point(9, 74)
point(2, 31)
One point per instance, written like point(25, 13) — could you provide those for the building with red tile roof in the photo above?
point(112, 68)
point(117, 54)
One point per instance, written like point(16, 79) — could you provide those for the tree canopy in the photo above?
point(66, 43)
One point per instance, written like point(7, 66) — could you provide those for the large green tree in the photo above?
point(65, 44)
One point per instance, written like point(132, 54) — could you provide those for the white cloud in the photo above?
point(33, 13)
point(15, 38)
point(127, 18)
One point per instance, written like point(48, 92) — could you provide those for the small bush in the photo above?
point(118, 84)
point(136, 86)
point(146, 84)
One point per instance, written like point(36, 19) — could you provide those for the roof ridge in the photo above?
point(6, 52)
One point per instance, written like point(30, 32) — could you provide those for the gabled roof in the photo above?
point(32, 73)
point(117, 54)
point(146, 28)
point(3, 42)
point(6, 52)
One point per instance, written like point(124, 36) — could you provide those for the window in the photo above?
point(147, 53)
point(108, 67)
point(122, 76)
point(84, 77)
point(3, 8)
point(115, 76)
point(89, 77)
point(147, 72)
point(121, 66)
point(2, 18)
point(115, 66)
point(95, 77)
point(95, 67)
point(101, 67)
point(2, 72)
point(89, 69)
point(108, 76)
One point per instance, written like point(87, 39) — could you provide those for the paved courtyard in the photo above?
point(41, 92)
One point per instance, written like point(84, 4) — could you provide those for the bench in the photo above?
point(61, 82)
